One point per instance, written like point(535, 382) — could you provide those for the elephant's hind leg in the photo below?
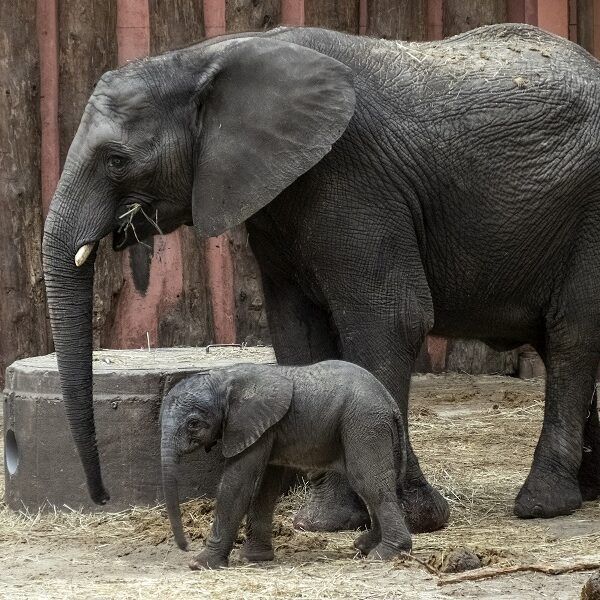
point(258, 546)
point(372, 474)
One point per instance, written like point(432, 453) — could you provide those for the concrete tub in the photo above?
point(42, 469)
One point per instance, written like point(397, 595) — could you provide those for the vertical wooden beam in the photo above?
point(251, 15)
point(573, 20)
point(391, 19)
point(214, 17)
point(292, 12)
point(553, 16)
point(463, 15)
point(133, 29)
point(588, 25)
point(22, 295)
point(47, 35)
point(250, 313)
point(363, 19)
point(87, 47)
point(147, 275)
point(219, 262)
point(522, 11)
point(332, 14)
point(435, 20)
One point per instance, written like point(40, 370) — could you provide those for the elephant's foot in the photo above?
point(424, 507)
point(208, 560)
point(547, 497)
point(384, 551)
point(257, 552)
point(366, 541)
point(332, 506)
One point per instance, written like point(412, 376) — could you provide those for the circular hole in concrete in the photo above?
point(11, 451)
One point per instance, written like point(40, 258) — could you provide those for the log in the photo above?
point(250, 318)
point(463, 15)
point(390, 19)
point(341, 15)
point(252, 15)
point(173, 24)
point(23, 300)
point(87, 48)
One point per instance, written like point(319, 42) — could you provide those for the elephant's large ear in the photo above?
point(257, 399)
point(272, 111)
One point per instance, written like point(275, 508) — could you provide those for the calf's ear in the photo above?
point(257, 399)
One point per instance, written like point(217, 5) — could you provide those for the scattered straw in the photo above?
point(475, 438)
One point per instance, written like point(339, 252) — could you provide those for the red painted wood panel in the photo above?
point(214, 17)
point(218, 256)
point(363, 17)
point(139, 311)
point(435, 20)
point(522, 11)
point(553, 16)
point(292, 12)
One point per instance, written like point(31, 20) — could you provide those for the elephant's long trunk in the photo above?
point(170, 462)
point(70, 292)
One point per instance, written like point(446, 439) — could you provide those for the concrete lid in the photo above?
point(161, 359)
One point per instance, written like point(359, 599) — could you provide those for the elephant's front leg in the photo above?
point(382, 325)
point(258, 546)
point(241, 480)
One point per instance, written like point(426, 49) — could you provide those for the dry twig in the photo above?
point(489, 572)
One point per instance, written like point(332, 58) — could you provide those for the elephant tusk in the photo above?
point(83, 253)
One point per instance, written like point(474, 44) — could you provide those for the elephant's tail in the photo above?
point(400, 451)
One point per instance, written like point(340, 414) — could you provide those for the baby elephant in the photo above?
point(330, 416)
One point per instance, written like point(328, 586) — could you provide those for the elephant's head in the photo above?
point(236, 405)
point(206, 135)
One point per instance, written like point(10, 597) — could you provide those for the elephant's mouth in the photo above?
point(133, 226)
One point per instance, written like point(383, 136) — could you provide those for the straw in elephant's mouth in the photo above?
point(126, 223)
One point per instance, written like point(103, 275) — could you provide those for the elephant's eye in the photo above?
point(194, 424)
point(116, 162)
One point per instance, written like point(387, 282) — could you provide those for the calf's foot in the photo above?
point(384, 551)
point(332, 506)
point(208, 560)
point(547, 495)
point(366, 541)
point(255, 552)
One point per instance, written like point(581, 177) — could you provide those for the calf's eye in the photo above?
point(194, 424)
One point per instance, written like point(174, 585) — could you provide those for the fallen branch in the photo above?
point(489, 572)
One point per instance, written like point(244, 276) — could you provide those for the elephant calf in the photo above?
point(328, 416)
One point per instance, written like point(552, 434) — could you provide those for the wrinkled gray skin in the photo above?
point(389, 190)
point(331, 416)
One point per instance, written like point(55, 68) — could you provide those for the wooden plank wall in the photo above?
point(180, 292)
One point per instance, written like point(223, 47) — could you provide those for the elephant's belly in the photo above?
point(503, 325)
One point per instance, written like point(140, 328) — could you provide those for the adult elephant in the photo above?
point(389, 190)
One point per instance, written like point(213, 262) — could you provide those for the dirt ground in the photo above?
point(475, 437)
